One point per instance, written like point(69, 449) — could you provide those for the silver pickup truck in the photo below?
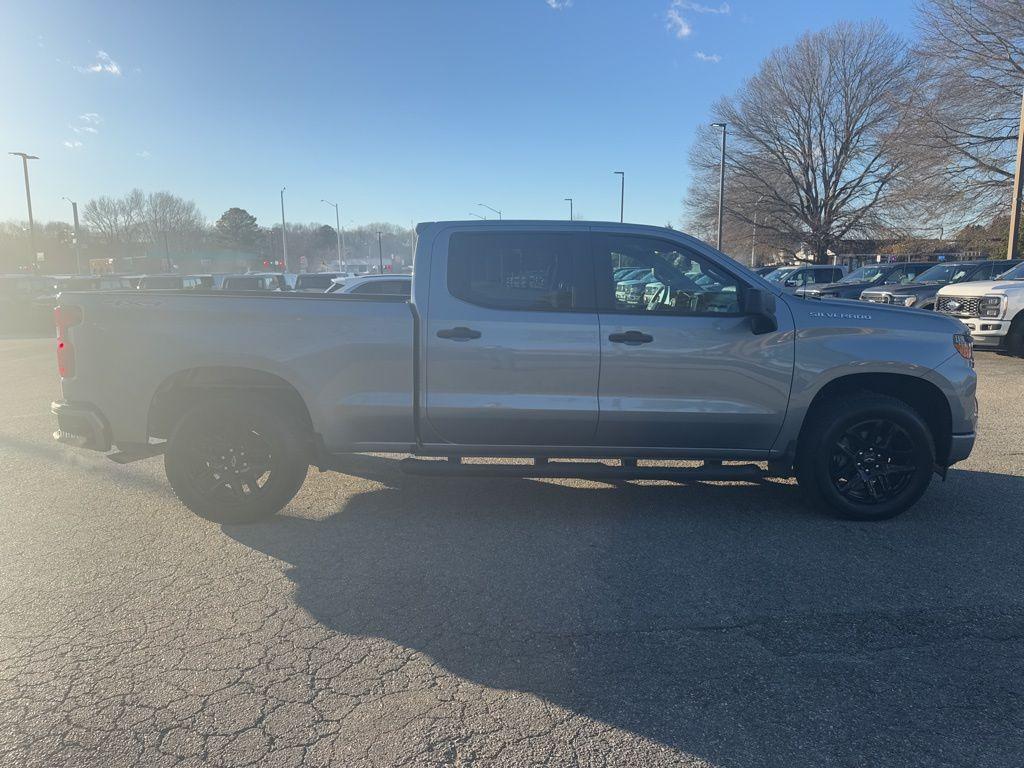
point(519, 342)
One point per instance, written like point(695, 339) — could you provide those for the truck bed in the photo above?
point(350, 357)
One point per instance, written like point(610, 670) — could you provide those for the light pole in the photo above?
point(284, 234)
point(1013, 247)
point(28, 197)
point(569, 201)
point(78, 246)
point(490, 209)
point(380, 253)
point(753, 236)
point(721, 182)
point(622, 193)
point(478, 215)
point(337, 227)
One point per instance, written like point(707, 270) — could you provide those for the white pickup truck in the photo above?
point(992, 309)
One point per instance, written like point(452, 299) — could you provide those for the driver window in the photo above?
point(642, 274)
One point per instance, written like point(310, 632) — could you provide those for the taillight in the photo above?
point(66, 317)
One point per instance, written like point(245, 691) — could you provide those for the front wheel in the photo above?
point(869, 457)
point(235, 460)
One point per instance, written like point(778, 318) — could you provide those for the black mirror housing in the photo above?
point(760, 305)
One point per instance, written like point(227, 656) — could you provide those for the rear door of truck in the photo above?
point(510, 341)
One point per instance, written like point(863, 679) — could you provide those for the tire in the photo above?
point(236, 460)
point(1015, 337)
point(867, 457)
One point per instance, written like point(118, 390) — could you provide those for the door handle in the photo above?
point(630, 337)
point(461, 333)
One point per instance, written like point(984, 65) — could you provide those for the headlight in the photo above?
point(907, 301)
point(991, 306)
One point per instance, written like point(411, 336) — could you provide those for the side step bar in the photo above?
point(584, 470)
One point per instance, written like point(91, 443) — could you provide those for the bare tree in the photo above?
point(116, 221)
point(166, 214)
point(815, 142)
point(970, 60)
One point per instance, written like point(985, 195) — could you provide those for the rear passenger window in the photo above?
point(513, 270)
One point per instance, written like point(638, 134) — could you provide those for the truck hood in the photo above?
point(983, 288)
point(906, 289)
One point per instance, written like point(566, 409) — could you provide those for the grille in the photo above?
point(961, 306)
point(877, 298)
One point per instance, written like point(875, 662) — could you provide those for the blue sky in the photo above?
point(403, 111)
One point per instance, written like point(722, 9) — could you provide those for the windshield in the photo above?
point(779, 275)
point(314, 282)
point(1017, 273)
point(865, 275)
point(943, 273)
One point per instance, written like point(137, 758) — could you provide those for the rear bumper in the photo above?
point(81, 425)
point(960, 447)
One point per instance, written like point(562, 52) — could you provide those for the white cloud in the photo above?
point(558, 5)
point(103, 63)
point(84, 129)
point(684, 5)
point(91, 118)
point(144, 154)
point(676, 24)
point(73, 144)
point(713, 58)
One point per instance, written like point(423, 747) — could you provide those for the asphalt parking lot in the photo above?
point(384, 620)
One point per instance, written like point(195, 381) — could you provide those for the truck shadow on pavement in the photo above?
point(727, 622)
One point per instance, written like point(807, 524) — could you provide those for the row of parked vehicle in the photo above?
point(27, 301)
point(987, 296)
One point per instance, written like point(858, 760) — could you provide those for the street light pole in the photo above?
point(569, 200)
point(721, 182)
point(1013, 247)
point(490, 209)
point(28, 197)
point(337, 227)
point(78, 240)
point(380, 253)
point(622, 193)
point(284, 234)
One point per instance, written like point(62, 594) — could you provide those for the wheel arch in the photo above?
point(180, 389)
point(922, 395)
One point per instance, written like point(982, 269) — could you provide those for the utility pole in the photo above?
point(622, 193)
point(721, 182)
point(569, 200)
point(28, 197)
point(337, 227)
point(380, 253)
point(78, 238)
point(284, 234)
point(1013, 247)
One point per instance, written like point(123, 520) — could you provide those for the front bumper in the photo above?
point(960, 447)
point(987, 333)
point(81, 425)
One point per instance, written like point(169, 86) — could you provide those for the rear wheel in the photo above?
point(236, 460)
point(870, 457)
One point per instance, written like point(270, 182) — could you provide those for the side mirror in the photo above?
point(792, 282)
point(759, 304)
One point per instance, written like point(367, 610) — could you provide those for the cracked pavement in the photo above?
point(384, 621)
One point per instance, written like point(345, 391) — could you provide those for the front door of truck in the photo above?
point(511, 338)
point(680, 364)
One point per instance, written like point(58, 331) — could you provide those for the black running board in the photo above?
point(585, 470)
point(137, 452)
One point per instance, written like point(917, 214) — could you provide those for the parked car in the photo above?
point(315, 281)
point(762, 271)
point(792, 278)
point(515, 344)
point(26, 303)
point(174, 282)
point(920, 292)
point(398, 285)
point(993, 310)
point(255, 281)
point(851, 286)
